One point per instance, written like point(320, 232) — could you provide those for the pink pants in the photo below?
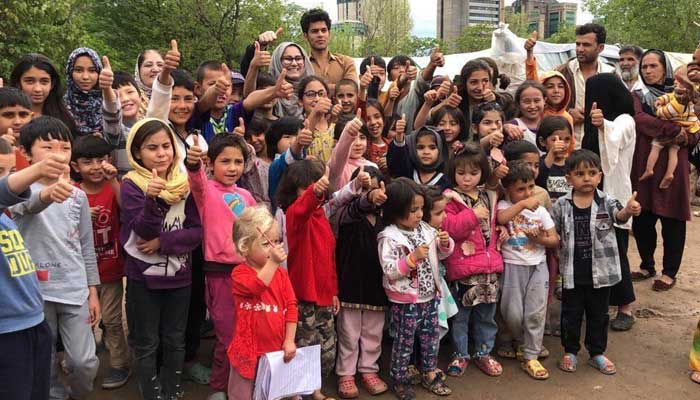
point(359, 341)
point(239, 388)
point(220, 303)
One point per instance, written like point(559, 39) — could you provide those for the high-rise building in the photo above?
point(454, 15)
point(549, 13)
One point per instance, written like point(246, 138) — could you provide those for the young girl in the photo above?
point(38, 79)
point(409, 250)
point(434, 214)
point(420, 156)
point(313, 97)
point(475, 87)
point(259, 281)
point(454, 126)
point(377, 142)
point(83, 98)
point(530, 100)
point(554, 137)
point(160, 226)
point(362, 298)
point(219, 202)
point(348, 154)
point(311, 263)
point(487, 124)
point(474, 269)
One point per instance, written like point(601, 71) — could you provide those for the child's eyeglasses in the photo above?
point(312, 95)
point(289, 60)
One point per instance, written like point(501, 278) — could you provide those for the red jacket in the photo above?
point(471, 256)
point(311, 260)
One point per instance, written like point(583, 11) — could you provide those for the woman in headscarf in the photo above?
point(609, 131)
point(83, 97)
point(149, 64)
point(671, 205)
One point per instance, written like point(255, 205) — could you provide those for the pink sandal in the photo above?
point(374, 384)
point(489, 365)
point(347, 389)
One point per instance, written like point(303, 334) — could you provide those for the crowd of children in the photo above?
point(313, 210)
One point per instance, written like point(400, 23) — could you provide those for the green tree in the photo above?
point(566, 34)
point(388, 24)
point(423, 46)
point(662, 24)
point(473, 38)
point(518, 24)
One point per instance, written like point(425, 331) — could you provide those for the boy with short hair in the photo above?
point(589, 258)
point(265, 111)
point(98, 179)
point(525, 275)
point(25, 336)
point(346, 95)
point(62, 248)
point(15, 112)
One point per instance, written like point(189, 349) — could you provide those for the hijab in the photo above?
point(649, 93)
point(85, 107)
point(176, 186)
point(412, 142)
point(612, 97)
point(290, 106)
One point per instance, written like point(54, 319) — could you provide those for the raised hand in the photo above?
point(454, 99)
point(366, 78)
point(283, 89)
point(53, 166)
point(172, 58)
point(194, 153)
point(411, 71)
point(335, 112)
point(401, 129)
point(9, 137)
point(62, 189)
point(633, 206)
point(354, 125)
point(109, 170)
point(513, 131)
point(155, 186)
point(321, 185)
point(431, 96)
point(305, 136)
point(322, 107)
point(437, 58)
point(277, 253)
point(268, 37)
point(597, 118)
point(106, 78)
point(378, 196)
point(559, 146)
point(223, 84)
point(394, 92)
point(261, 59)
point(531, 42)
point(240, 129)
point(445, 88)
point(495, 138)
point(489, 96)
point(363, 180)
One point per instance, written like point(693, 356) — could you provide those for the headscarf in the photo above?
point(85, 107)
point(176, 186)
point(145, 90)
point(412, 141)
point(648, 94)
point(290, 106)
point(612, 97)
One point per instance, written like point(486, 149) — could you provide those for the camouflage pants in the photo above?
point(316, 326)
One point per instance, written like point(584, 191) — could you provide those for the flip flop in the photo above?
point(572, 363)
point(602, 364)
point(535, 370)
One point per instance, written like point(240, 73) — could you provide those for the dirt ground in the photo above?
point(651, 359)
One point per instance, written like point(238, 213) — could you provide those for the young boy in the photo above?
point(265, 111)
point(61, 246)
point(528, 152)
point(589, 259)
point(525, 275)
point(98, 179)
point(346, 95)
point(15, 112)
point(25, 336)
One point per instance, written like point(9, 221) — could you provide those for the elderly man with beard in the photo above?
point(590, 42)
point(629, 66)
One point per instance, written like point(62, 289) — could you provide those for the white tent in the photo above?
point(509, 52)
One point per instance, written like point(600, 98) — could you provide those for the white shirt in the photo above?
point(518, 249)
point(580, 86)
point(616, 140)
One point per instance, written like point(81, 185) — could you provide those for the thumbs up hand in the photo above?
point(633, 206)
point(109, 170)
point(283, 89)
point(261, 59)
point(10, 137)
point(354, 125)
point(62, 189)
point(321, 185)
point(531, 42)
point(366, 78)
point(437, 58)
point(240, 129)
point(597, 118)
point(401, 129)
point(411, 71)
point(378, 196)
point(223, 84)
point(155, 186)
point(172, 58)
point(268, 37)
point(363, 180)
point(106, 77)
point(194, 154)
point(559, 145)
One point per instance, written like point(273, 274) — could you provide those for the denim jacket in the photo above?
point(606, 261)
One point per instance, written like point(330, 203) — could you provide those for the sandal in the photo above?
point(413, 374)
point(373, 384)
point(568, 363)
point(602, 364)
point(695, 377)
point(535, 369)
point(622, 322)
point(641, 275)
point(198, 374)
point(661, 286)
point(441, 374)
point(457, 366)
point(436, 385)
point(507, 352)
point(489, 365)
point(403, 392)
point(347, 389)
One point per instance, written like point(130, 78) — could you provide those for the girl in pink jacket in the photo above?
point(474, 267)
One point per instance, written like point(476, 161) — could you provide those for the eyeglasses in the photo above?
point(289, 60)
point(312, 95)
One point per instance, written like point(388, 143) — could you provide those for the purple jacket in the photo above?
point(471, 256)
point(147, 219)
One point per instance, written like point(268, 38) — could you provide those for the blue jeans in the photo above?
point(484, 333)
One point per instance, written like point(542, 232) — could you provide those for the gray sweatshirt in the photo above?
point(59, 239)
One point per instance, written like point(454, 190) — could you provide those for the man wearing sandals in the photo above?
point(589, 260)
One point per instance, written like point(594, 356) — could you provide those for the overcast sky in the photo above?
point(423, 12)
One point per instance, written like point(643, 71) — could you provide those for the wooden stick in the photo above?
point(264, 235)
